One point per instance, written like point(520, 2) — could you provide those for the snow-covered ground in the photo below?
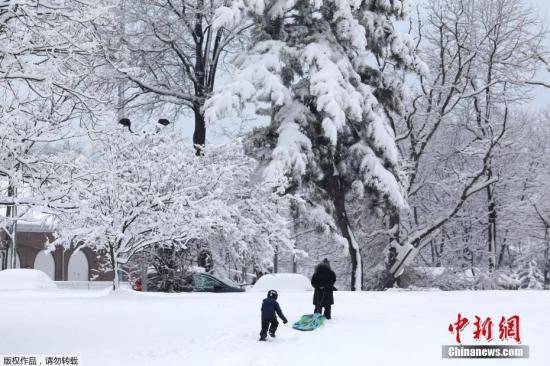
point(369, 328)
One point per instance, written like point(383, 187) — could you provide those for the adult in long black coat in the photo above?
point(323, 282)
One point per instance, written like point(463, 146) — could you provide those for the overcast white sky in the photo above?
point(542, 7)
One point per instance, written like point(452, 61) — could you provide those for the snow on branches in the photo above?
point(137, 192)
point(322, 66)
point(43, 45)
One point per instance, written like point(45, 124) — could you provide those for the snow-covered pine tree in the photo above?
point(531, 276)
point(317, 64)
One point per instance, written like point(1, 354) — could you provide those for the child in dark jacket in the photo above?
point(270, 310)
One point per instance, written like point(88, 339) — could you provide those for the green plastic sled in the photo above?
point(309, 322)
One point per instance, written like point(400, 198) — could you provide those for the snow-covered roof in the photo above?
point(36, 220)
point(34, 227)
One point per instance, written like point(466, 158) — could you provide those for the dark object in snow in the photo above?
point(204, 282)
point(323, 282)
point(138, 285)
point(170, 270)
point(166, 281)
point(126, 123)
point(164, 122)
point(269, 325)
point(270, 310)
point(205, 260)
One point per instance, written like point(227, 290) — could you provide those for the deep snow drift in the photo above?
point(25, 279)
point(369, 328)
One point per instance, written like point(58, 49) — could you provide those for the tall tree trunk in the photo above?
point(394, 225)
point(491, 223)
point(199, 135)
point(276, 260)
point(339, 201)
point(114, 265)
point(4, 263)
point(11, 212)
point(503, 249)
point(547, 258)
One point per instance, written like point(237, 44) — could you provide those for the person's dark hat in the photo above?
point(272, 294)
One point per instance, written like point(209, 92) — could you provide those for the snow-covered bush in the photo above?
point(451, 279)
point(442, 278)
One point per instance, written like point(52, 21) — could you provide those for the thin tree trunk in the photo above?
point(394, 225)
point(9, 241)
point(547, 259)
point(11, 212)
point(345, 230)
point(491, 223)
point(199, 134)
point(432, 251)
point(503, 249)
point(114, 265)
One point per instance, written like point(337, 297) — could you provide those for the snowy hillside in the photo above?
point(369, 328)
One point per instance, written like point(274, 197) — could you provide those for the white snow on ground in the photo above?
point(197, 329)
point(283, 282)
point(25, 279)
